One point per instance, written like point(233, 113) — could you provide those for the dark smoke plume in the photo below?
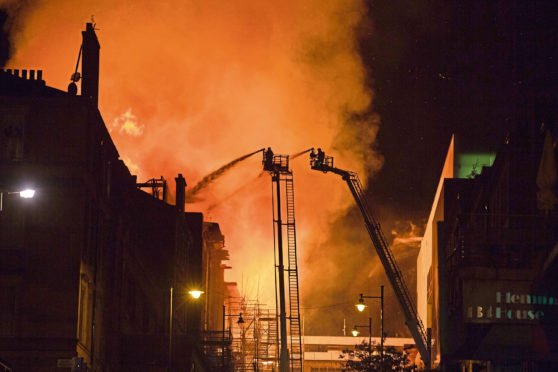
point(4, 38)
point(190, 195)
point(12, 14)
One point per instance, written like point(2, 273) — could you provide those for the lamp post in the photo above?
point(355, 333)
point(361, 306)
point(26, 194)
point(240, 321)
point(195, 295)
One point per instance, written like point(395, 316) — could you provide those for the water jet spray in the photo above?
point(207, 180)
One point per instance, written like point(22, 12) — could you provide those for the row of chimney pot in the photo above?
point(15, 72)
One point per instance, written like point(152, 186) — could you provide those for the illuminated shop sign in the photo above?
point(489, 302)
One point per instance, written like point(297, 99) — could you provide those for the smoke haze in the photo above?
point(187, 86)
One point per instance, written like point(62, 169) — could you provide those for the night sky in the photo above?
point(477, 69)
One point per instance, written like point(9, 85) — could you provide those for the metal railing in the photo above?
point(498, 240)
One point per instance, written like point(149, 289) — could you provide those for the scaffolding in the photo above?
point(254, 342)
point(270, 339)
point(217, 350)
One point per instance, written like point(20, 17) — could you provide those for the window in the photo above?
point(11, 137)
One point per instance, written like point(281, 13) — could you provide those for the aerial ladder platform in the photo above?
point(290, 353)
point(323, 163)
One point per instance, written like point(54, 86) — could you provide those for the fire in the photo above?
point(127, 123)
point(193, 85)
point(407, 238)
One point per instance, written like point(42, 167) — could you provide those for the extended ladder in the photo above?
point(290, 355)
point(415, 325)
point(294, 307)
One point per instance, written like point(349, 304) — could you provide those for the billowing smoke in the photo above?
point(346, 265)
point(208, 80)
point(12, 16)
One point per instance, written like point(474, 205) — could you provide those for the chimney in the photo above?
point(180, 192)
point(90, 64)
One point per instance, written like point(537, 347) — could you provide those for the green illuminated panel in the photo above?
point(470, 165)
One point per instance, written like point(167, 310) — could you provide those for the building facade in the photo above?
point(94, 272)
point(486, 265)
point(214, 253)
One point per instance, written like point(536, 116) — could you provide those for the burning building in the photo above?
point(486, 270)
point(214, 275)
point(93, 271)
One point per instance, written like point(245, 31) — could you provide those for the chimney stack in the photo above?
point(90, 64)
point(180, 192)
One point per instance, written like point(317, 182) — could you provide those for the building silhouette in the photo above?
point(486, 272)
point(94, 272)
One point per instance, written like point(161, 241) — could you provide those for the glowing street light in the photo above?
point(355, 333)
point(361, 305)
point(26, 194)
point(196, 293)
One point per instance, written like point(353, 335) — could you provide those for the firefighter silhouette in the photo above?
point(313, 155)
point(268, 158)
point(321, 157)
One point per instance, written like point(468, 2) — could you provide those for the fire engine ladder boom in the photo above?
point(278, 166)
point(294, 308)
point(386, 257)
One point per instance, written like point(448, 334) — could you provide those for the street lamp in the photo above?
point(25, 193)
point(195, 295)
point(356, 332)
point(240, 322)
point(361, 306)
